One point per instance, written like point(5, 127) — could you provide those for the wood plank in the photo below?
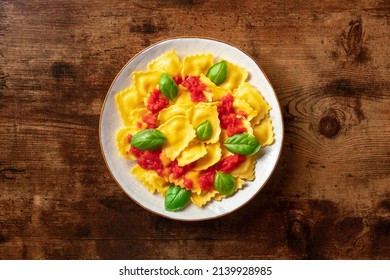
point(329, 64)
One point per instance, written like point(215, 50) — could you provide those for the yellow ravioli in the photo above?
point(194, 151)
point(195, 65)
point(168, 62)
point(183, 96)
point(245, 170)
point(123, 144)
point(254, 99)
point(215, 91)
point(243, 106)
point(173, 110)
point(236, 76)
point(264, 132)
point(135, 122)
point(194, 177)
point(150, 179)
point(127, 101)
point(212, 156)
point(202, 112)
point(146, 82)
point(202, 198)
point(179, 133)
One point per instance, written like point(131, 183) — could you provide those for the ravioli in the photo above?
point(195, 65)
point(236, 76)
point(127, 101)
point(254, 99)
point(145, 82)
point(185, 158)
point(168, 62)
point(202, 112)
point(179, 133)
point(264, 132)
point(212, 156)
point(177, 109)
point(194, 151)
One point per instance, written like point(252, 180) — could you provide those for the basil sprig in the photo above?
point(224, 183)
point(204, 130)
point(242, 144)
point(218, 72)
point(176, 198)
point(168, 87)
point(148, 139)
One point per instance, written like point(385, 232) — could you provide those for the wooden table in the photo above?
point(329, 63)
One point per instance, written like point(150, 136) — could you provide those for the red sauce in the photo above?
point(178, 79)
point(178, 171)
point(228, 118)
point(150, 120)
point(230, 162)
point(128, 139)
point(136, 152)
point(188, 184)
point(196, 88)
point(156, 101)
point(149, 160)
point(206, 179)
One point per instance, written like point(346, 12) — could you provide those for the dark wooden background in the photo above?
point(329, 63)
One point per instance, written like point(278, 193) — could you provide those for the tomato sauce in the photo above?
point(206, 179)
point(227, 164)
point(150, 119)
point(178, 171)
point(188, 184)
point(156, 101)
point(149, 160)
point(196, 88)
point(178, 79)
point(228, 118)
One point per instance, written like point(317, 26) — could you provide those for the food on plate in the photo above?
point(194, 127)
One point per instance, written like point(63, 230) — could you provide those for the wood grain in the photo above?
point(329, 63)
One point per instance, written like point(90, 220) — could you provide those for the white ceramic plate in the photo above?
point(110, 123)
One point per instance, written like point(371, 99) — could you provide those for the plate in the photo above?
point(111, 122)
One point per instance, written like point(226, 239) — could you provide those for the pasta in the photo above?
point(178, 128)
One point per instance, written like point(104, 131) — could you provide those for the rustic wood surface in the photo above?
point(329, 62)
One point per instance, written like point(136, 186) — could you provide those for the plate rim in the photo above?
point(104, 105)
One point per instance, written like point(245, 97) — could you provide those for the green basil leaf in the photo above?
point(168, 87)
point(224, 183)
point(148, 139)
point(204, 130)
point(242, 144)
point(176, 198)
point(218, 72)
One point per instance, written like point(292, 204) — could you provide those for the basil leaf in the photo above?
point(224, 183)
point(176, 198)
point(218, 72)
point(168, 87)
point(148, 139)
point(204, 130)
point(242, 144)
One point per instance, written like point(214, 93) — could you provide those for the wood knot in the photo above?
point(353, 42)
point(3, 81)
point(146, 28)
point(3, 238)
point(61, 69)
point(329, 126)
point(298, 236)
